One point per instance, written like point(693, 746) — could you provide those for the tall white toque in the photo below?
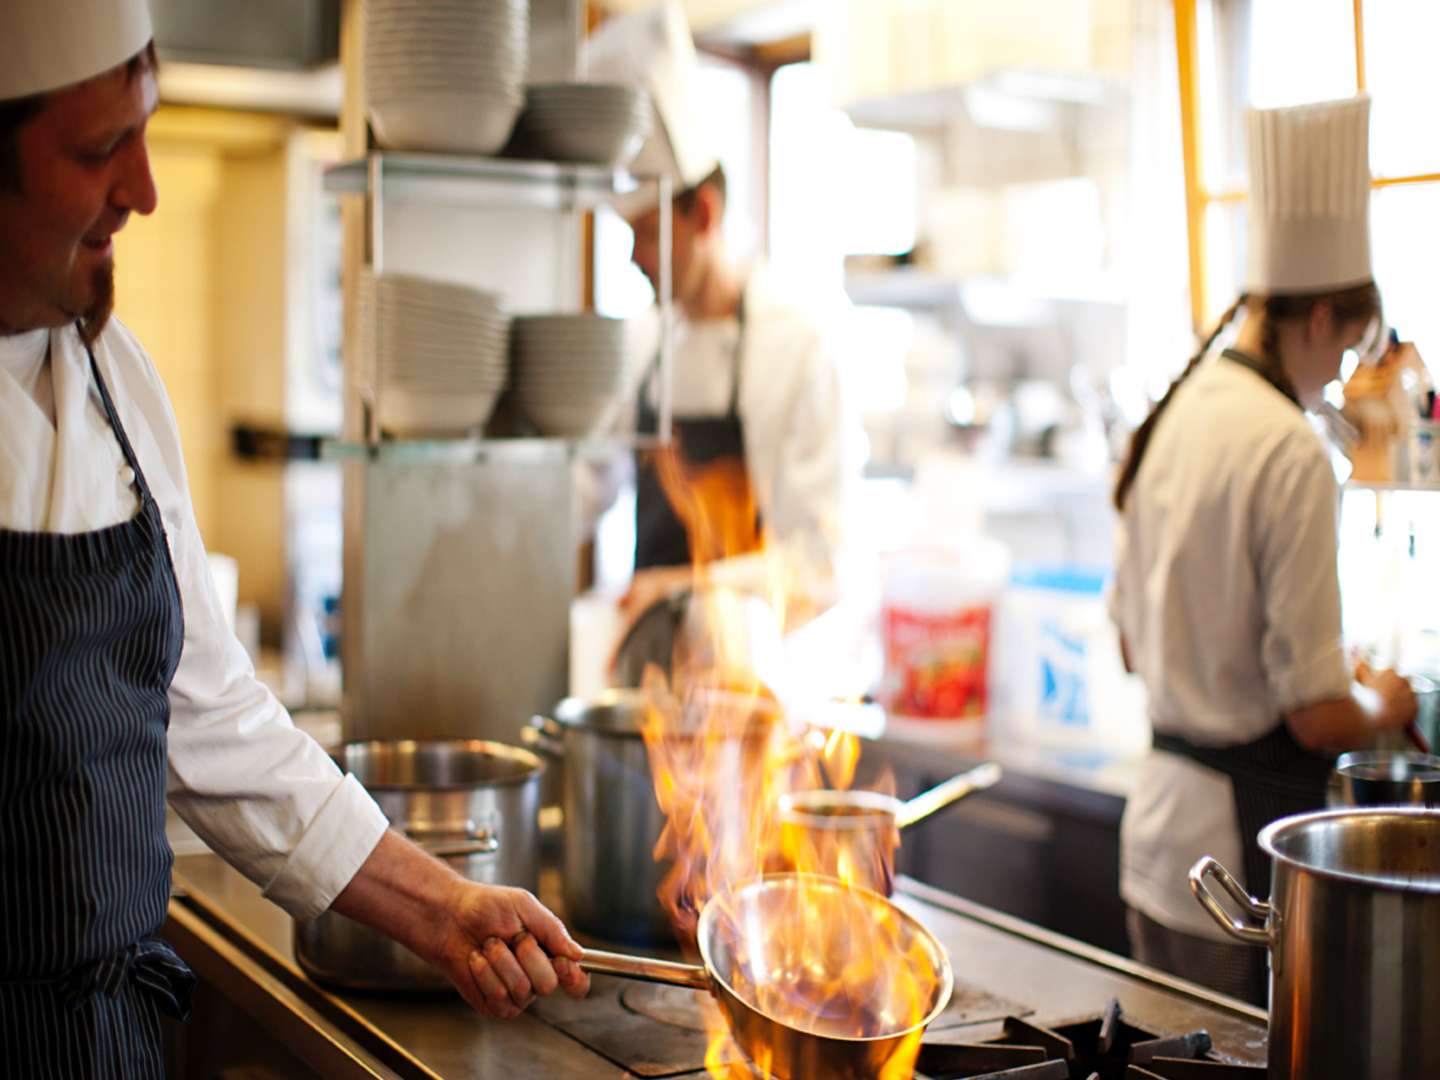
point(1309, 226)
point(47, 44)
point(652, 48)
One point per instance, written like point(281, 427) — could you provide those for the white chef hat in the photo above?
point(653, 49)
point(47, 44)
point(1309, 198)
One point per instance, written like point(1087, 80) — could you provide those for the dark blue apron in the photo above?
point(90, 636)
point(1274, 776)
point(661, 538)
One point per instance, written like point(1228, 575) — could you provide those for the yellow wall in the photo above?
point(202, 284)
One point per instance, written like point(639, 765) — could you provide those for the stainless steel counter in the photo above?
point(241, 946)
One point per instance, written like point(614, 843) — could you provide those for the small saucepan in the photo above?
point(1389, 778)
point(852, 835)
point(814, 977)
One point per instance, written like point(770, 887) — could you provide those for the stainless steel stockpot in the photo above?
point(612, 818)
point(1353, 929)
point(473, 803)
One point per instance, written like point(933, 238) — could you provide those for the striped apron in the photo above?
point(90, 636)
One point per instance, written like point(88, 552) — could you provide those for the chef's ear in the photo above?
point(709, 208)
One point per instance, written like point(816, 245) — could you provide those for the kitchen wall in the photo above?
point(208, 284)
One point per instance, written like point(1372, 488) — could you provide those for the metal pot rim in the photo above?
point(1272, 832)
point(806, 808)
point(532, 763)
point(711, 911)
point(572, 713)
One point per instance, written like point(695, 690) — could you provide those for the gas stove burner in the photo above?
point(693, 1010)
point(1105, 1047)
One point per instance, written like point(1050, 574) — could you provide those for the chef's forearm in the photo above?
point(1344, 723)
point(402, 892)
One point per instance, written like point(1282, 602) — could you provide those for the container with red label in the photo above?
point(935, 617)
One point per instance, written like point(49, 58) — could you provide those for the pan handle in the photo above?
point(1250, 935)
point(942, 795)
point(545, 735)
point(644, 969)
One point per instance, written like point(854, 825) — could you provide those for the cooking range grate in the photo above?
point(1105, 1047)
point(657, 1031)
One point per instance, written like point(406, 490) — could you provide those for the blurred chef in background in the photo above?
point(765, 442)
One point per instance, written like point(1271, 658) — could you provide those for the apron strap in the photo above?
point(152, 963)
point(113, 416)
point(737, 364)
point(1265, 371)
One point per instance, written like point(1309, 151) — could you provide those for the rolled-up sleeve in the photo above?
point(1296, 546)
point(259, 791)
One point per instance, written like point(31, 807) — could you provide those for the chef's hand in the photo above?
point(647, 588)
point(1396, 700)
point(656, 583)
point(502, 948)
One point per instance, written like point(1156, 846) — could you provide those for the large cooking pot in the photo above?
point(612, 818)
point(473, 804)
point(870, 1030)
point(1353, 928)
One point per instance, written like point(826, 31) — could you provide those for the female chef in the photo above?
point(1226, 591)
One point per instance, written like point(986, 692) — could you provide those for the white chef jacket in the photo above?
point(256, 789)
point(804, 443)
point(1227, 593)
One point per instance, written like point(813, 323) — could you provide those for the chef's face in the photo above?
point(694, 226)
point(84, 169)
point(1325, 341)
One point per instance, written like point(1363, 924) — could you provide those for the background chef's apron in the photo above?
point(90, 636)
point(1274, 776)
point(710, 452)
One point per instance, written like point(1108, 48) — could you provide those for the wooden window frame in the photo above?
point(1198, 199)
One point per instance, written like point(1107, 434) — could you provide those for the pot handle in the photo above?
point(645, 969)
point(1240, 931)
point(942, 795)
point(450, 845)
point(543, 734)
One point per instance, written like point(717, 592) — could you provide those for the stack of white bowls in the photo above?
point(569, 372)
point(445, 74)
point(438, 354)
point(596, 123)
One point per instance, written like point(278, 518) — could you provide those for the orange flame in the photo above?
point(724, 757)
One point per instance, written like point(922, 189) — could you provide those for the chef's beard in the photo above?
point(102, 303)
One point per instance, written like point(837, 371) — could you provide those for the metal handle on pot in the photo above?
point(448, 845)
point(942, 795)
point(666, 972)
point(543, 734)
point(1256, 909)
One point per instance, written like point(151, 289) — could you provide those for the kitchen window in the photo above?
point(1237, 53)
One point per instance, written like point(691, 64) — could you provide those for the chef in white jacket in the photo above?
point(120, 684)
point(1226, 590)
point(767, 445)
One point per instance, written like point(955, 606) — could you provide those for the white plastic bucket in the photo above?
point(1058, 678)
point(937, 605)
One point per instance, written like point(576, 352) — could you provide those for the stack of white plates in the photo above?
point(569, 370)
point(598, 123)
point(445, 74)
point(438, 354)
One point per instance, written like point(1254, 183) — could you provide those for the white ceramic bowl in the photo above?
point(453, 123)
point(418, 414)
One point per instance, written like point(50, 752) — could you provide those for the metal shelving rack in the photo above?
point(460, 553)
point(450, 179)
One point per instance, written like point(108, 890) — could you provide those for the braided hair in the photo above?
point(1140, 440)
point(1354, 304)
